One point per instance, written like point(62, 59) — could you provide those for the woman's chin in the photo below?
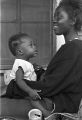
point(58, 33)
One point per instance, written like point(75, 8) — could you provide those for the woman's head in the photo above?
point(22, 45)
point(68, 15)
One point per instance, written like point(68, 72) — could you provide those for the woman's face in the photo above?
point(62, 22)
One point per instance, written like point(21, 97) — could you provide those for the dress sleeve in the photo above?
point(24, 65)
point(55, 79)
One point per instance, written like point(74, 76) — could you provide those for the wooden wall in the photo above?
point(30, 16)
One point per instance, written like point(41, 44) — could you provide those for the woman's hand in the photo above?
point(34, 95)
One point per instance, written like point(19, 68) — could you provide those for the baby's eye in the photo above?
point(34, 44)
point(59, 18)
point(31, 44)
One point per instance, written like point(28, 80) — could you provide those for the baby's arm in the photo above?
point(21, 83)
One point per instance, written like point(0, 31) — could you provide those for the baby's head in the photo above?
point(21, 45)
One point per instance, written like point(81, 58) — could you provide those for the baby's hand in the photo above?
point(37, 67)
point(34, 95)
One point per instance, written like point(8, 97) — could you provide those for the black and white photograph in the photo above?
point(40, 59)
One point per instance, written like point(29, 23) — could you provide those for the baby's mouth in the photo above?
point(36, 52)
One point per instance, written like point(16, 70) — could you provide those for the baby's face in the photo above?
point(28, 47)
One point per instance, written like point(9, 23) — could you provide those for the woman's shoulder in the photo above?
point(71, 48)
point(78, 44)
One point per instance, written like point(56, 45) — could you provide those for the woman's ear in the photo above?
point(73, 21)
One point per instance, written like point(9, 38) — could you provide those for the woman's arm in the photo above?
point(56, 80)
point(58, 72)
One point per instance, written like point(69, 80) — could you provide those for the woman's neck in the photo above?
point(71, 35)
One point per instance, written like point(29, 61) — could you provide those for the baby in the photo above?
point(23, 48)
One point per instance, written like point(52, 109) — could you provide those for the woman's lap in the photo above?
point(15, 107)
point(14, 92)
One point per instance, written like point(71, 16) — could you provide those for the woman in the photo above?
point(62, 82)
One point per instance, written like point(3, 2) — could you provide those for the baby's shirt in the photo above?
point(29, 73)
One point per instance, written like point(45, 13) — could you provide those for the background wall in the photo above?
point(30, 16)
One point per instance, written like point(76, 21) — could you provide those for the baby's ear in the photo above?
point(19, 52)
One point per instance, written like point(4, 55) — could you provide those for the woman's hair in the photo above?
point(74, 10)
point(15, 41)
